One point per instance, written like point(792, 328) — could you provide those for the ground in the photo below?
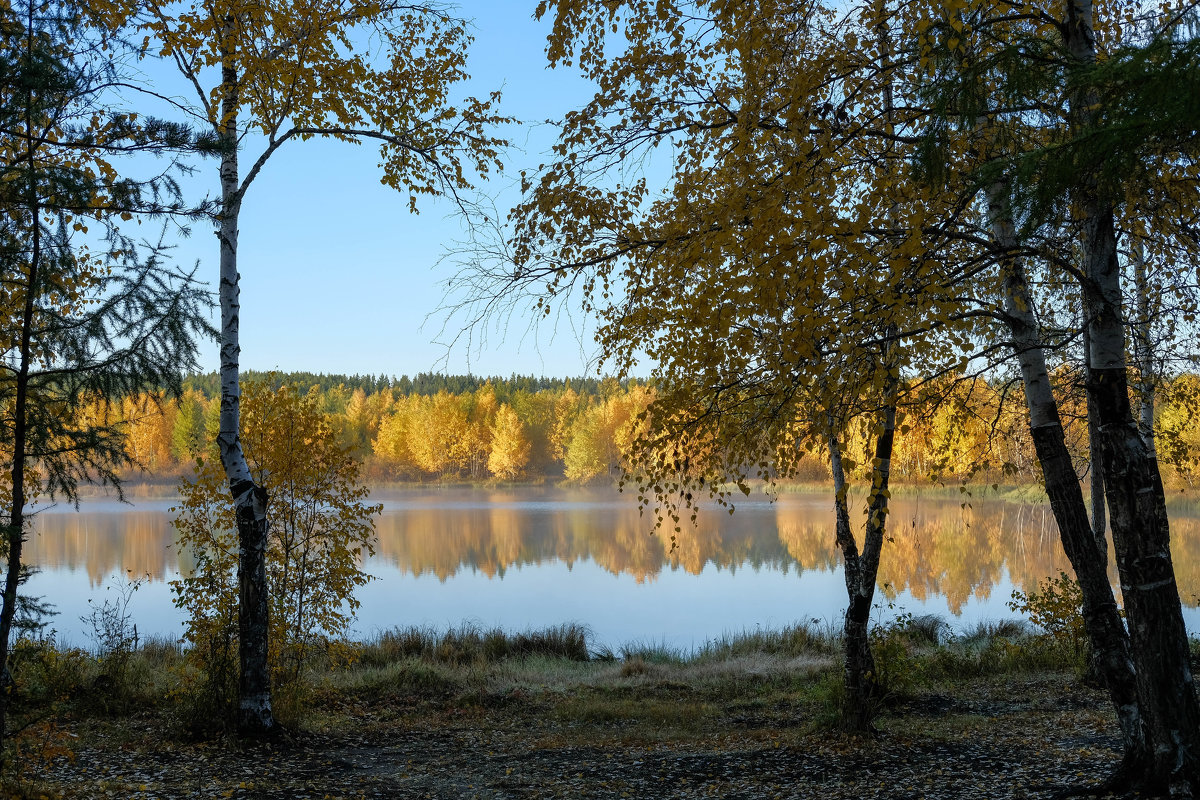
point(1025, 736)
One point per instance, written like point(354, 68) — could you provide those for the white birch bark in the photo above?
point(1082, 543)
point(250, 501)
point(1143, 347)
point(1136, 503)
point(1096, 468)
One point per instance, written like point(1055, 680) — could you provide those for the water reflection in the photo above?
point(440, 536)
point(104, 542)
point(937, 547)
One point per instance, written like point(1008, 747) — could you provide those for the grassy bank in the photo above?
point(456, 713)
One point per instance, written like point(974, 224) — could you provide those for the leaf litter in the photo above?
point(983, 739)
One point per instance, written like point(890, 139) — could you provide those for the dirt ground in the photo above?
point(1028, 738)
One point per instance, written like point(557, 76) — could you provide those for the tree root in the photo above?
point(1132, 777)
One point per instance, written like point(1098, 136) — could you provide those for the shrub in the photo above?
point(112, 629)
point(1057, 608)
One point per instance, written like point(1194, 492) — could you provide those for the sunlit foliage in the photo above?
point(953, 431)
point(321, 531)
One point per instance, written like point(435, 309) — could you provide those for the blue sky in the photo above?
point(339, 277)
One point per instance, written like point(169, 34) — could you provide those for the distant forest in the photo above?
point(423, 383)
point(586, 430)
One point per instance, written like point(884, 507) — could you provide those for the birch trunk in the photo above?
point(249, 500)
point(858, 673)
point(1095, 468)
point(1141, 532)
point(1143, 347)
point(1137, 507)
point(862, 569)
point(1106, 632)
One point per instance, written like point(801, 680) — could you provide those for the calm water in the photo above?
point(538, 557)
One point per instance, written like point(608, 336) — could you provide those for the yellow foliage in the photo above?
point(510, 446)
point(602, 436)
point(1177, 428)
point(321, 530)
point(442, 443)
point(299, 69)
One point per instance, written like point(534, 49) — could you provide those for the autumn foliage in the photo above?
point(504, 430)
point(322, 529)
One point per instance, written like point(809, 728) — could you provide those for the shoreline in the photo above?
point(999, 714)
point(1028, 494)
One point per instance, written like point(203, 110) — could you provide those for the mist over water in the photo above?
point(522, 558)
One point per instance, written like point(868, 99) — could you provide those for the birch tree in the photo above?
point(510, 446)
point(264, 75)
point(769, 319)
point(747, 293)
point(992, 113)
point(1079, 162)
point(1137, 504)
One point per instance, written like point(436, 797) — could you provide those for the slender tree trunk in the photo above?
point(1106, 633)
point(858, 674)
point(862, 569)
point(249, 500)
point(1095, 468)
point(15, 530)
point(1136, 503)
point(1143, 347)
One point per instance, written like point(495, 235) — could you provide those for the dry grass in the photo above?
point(450, 713)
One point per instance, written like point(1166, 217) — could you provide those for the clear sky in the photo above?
point(339, 277)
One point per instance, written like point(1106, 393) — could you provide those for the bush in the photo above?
point(892, 647)
point(1057, 608)
point(113, 631)
point(44, 679)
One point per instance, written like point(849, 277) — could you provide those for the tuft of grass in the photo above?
point(653, 653)
point(796, 641)
point(400, 678)
point(927, 630)
point(635, 667)
point(568, 641)
point(472, 645)
point(162, 651)
point(984, 632)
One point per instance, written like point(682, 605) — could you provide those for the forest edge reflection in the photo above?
point(938, 547)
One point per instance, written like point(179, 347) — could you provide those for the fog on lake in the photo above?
point(530, 558)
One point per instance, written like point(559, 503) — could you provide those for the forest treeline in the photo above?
point(582, 430)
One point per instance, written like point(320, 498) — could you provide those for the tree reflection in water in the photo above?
point(938, 547)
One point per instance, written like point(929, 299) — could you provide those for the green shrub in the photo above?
point(893, 647)
point(1056, 608)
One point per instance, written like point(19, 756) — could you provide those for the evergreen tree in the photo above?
point(188, 438)
point(81, 326)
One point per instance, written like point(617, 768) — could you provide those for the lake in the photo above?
point(534, 557)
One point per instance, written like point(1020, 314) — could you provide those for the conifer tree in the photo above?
point(85, 321)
